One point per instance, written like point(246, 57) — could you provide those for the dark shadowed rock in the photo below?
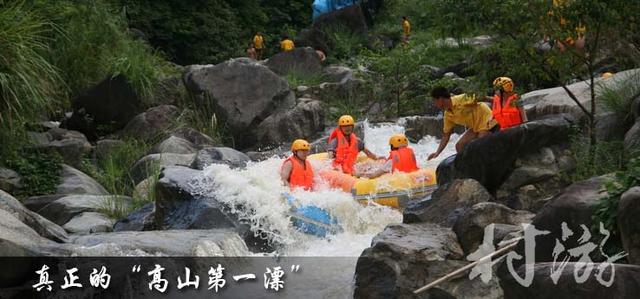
point(490, 160)
point(632, 138)
point(406, 257)
point(242, 92)
point(349, 18)
point(35, 203)
point(446, 204)
point(628, 224)
point(112, 102)
point(139, 220)
point(471, 225)
point(10, 180)
point(625, 284)
point(106, 147)
point(299, 61)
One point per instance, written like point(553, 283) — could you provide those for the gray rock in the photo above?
point(76, 182)
point(196, 138)
point(151, 123)
point(10, 180)
point(243, 93)
point(491, 160)
point(18, 239)
point(303, 121)
point(471, 225)
point(35, 203)
point(417, 127)
point(88, 223)
point(632, 138)
point(71, 145)
point(447, 203)
point(628, 209)
point(219, 242)
point(532, 168)
point(154, 162)
point(609, 127)
point(139, 220)
point(105, 147)
point(625, 283)
point(42, 226)
point(405, 257)
point(174, 145)
point(299, 61)
point(219, 155)
point(64, 209)
point(337, 73)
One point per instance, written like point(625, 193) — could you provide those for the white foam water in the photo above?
point(254, 193)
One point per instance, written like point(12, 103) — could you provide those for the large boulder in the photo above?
point(628, 210)
point(298, 62)
point(41, 225)
point(178, 208)
point(406, 257)
point(64, 209)
point(447, 203)
point(18, 239)
point(337, 73)
point(10, 180)
point(112, 102)
point(214, 242)
point(150, 164)
point(243, 94)
point(303, 121)
point(219, 155)
point(625, 284)
point(490, 160)
point(151, 123)
point(314, 38)
point(471, 225)
point(196, 138)
point(575, 206)
point(74, 181)
point(88, 223)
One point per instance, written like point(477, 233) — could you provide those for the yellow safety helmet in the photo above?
point(346, 120)
point(300, 145)
point(398, 140)
point(607, 75)
point(504, 83)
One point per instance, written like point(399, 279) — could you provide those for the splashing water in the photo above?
point(254, 193)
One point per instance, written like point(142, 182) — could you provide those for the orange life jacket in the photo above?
point(508, 115)
point(346, 152)
point(301, 175)
point(403, 160)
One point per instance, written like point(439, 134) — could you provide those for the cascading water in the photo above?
point(254, 193)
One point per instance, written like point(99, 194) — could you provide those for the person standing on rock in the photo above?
point(506, 108)
point(251, 52)
point(258, 45)
point(344, 146)
point(462, 110)
point(296, 171)
point(406, 30)
point(286, 44)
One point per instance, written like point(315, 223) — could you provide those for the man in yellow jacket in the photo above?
point(406, 30)
point(258, 45)
point(286, 44)
point(462, 110)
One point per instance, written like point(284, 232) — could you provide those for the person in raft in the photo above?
point(462, 110)
point(344, 146)
point(296, 171)
point(401, 157)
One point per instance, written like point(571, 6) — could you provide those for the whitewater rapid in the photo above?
point(254, 194)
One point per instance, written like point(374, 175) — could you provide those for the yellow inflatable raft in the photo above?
point(391, 189)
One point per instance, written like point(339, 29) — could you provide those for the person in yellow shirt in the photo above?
point(406, 30)
point(462, 110)
point(286, 44)
point(258, 45)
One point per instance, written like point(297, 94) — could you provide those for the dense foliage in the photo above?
point(210, 31)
